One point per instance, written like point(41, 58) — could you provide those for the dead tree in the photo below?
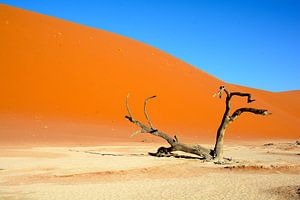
point(176, 145)
point(227, 118)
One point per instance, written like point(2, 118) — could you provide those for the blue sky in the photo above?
point(255, 43)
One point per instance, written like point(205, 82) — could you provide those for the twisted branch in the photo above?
point(227, 118)
point(239, 111)
point(174, 142)
point(127, 107)
point(175, 145)
point(249, 99)
point(145, 111)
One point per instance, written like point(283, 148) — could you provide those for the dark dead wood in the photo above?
point(174, 143)
point(127, 107)
point(146, 114)
point(175, 155)
point(256, 111)
point(227, 118)
point(215, 154)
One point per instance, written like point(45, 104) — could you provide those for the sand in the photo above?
point(63, 134)
point(126, 172)
point(54, 70)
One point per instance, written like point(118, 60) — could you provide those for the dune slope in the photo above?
point(62, 81)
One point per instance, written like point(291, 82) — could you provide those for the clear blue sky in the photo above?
point(255, 43)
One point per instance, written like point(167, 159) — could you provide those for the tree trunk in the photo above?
point(175, 145)
point(227, 119)
point(218, 150)
point(174, 142)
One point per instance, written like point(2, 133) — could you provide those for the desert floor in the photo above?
point(257, 171)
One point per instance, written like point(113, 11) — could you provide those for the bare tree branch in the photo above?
point(176, 139)
point(219, 93)
point(251, 110)
point(249, 100)
point(136, 132)
point(127, 107)
point(145, 111)
point(227, 119)
point(175, 145)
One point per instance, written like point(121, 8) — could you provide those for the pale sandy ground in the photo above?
point(127, 172)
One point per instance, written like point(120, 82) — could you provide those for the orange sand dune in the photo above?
point(61, 81)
